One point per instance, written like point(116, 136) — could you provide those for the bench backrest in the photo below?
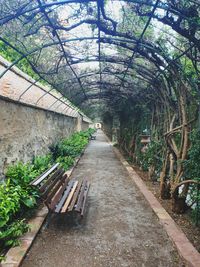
point(44, 175)
point(50, 182)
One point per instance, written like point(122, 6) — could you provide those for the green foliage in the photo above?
point(11, 55)
point(68, 149)
point(65, 162)
point(21, 173)
point(72, 146)
point(152, 156)
point(18, 177)
point(41, 163)
point(15, 200)
point(91, 130)
point(9, 236)
point(192, 170)
point(10, 202)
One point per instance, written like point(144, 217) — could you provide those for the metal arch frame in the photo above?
point(83, 61)
point(115, 75)
point(162, 6)
point(48, 92)
point(47, 45)
point(139, 40)
point(109, 86)
point(60, 43)
point(28, 88)
point(154, 7)
point(25, 55)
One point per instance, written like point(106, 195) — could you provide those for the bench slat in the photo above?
point(51, 186)
point(65, 195)
point(81, 195)
point(57, 196)
point(65, 206)
point(75, 196)
point(39, 179)
point(85, 197)
point(56, 193)
point(50, 179)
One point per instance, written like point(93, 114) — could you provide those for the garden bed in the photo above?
point(18, 199)
point(184, 221)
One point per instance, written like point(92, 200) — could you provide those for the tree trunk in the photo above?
point(165, 187)
point(179, 204)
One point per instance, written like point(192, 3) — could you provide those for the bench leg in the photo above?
point(84, 200)
point(48, 218)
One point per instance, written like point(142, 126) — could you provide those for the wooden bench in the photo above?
point(59, 193)
point(92, 137)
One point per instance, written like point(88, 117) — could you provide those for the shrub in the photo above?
point(41, 163)
point(152, 156)
point(10, 202)
point(19, 177)
point(72, 146)
point(65, 162)
point(21, 173)
point(14, 200)
point(192, 171)
point(9, 235)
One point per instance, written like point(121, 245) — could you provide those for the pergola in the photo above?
point(101, 50)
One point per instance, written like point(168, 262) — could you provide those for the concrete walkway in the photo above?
point(118, 230)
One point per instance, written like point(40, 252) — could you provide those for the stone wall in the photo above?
point(85, 125)
point(26, 131)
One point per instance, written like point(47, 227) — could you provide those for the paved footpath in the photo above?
point(119, 228)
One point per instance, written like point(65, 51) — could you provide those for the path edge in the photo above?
point(15, 255)
point(184, 247)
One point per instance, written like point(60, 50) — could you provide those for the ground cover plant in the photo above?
point(18, 199)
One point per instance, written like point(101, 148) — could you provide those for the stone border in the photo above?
point(15, 255)
point(185, 248)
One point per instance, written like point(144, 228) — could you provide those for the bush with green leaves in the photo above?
point(72, 146)
point(191, 165)
point(192, 170)
point(9, 236)
point(65, 162)
point(152, 156)
point(41, 163)
point(21, 173)
point(15, 201)
point(91, 131)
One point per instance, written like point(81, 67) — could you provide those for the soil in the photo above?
point(184, 221)
point(118, 230)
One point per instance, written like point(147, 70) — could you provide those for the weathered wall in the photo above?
point(85, 125)
point(27, 131)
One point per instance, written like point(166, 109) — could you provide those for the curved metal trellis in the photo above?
point(107, 33)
